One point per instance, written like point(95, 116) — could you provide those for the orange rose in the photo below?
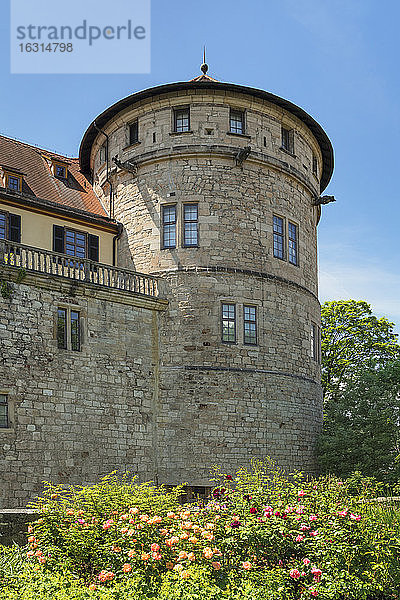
point(246, 565)
point(216, 565)
point(126, 568)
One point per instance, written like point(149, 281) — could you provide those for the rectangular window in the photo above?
point(68, 329)
point(13, 183)
point(61, 171)
point(236, 121)
point(288, 140)
point(62, 328)
point(75, 331)
point(250, 325)
point(229, 323)
point(181, 120)
point(315, 338)
point(75, 243)
point(134, 132)
point(169, 226)
point(315, 165)
point(10, 227)
point(4, 422)
point(292, 239)
point(190, 225)
point(103, 154)
point(3, 226)
point(279, 237)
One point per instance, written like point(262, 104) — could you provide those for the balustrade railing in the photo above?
point(75, 268)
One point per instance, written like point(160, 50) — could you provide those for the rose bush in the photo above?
point(260, 535)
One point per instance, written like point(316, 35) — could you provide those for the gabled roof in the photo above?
point(74, 192)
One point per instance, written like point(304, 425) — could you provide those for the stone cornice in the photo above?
point(186, 151)
point(83, 289)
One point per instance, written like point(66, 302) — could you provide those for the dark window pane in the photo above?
point(75, 331)
point(133, 133)
point(60, 171)
point(292, 231)
point(3, 224)
point(13, 183)
point(3, 411)
point(250, 325)
point(62, 328)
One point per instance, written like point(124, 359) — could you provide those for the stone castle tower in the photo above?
point(159, 303)
point(216, 187)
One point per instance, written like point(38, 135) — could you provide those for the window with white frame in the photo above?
point(181, 119)
point(279, 237)
point(236, 121)
point(190, 225)
point(169, 226)
point(228, 322)
point(250, 325)
point(292, 244)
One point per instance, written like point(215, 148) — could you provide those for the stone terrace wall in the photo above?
point(75, 416)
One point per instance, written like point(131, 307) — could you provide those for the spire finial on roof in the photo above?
point(204, 66)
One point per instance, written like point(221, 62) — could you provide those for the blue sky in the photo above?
point(337, 59)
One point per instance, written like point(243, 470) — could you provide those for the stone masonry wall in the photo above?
point(75, 416)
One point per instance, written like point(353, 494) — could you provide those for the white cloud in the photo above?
point(379, 287)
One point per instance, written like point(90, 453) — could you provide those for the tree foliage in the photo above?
point(362, 426)
point(353, 340)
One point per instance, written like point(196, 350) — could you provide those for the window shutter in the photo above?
point(58, 239)
point(93, 245)
point(14, 230)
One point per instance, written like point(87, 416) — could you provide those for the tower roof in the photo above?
point(204, 81)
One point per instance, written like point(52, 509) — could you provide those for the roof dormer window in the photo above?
point(60, 169)
point(13, 182)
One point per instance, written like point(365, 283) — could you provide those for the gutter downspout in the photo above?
point(108, 169)
point(115, 240)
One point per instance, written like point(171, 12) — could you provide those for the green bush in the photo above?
point(261, 536)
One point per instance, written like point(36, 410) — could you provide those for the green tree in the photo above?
point(353, 340)
point(362, 427)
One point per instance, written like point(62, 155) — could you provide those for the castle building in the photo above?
point(159, 306)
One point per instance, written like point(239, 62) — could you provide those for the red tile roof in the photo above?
point(38, 180)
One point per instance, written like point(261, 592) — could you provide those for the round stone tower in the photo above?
point(216, 187)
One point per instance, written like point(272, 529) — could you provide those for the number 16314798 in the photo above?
point(50, 47)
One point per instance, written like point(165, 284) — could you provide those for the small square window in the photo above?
point(4, 416)
point(236, 121)
point(181, 120)
point(134, 133)
point(61, 171)
point(13, 182)
point(288, 140)
point(68, 329)
point(228, 323)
